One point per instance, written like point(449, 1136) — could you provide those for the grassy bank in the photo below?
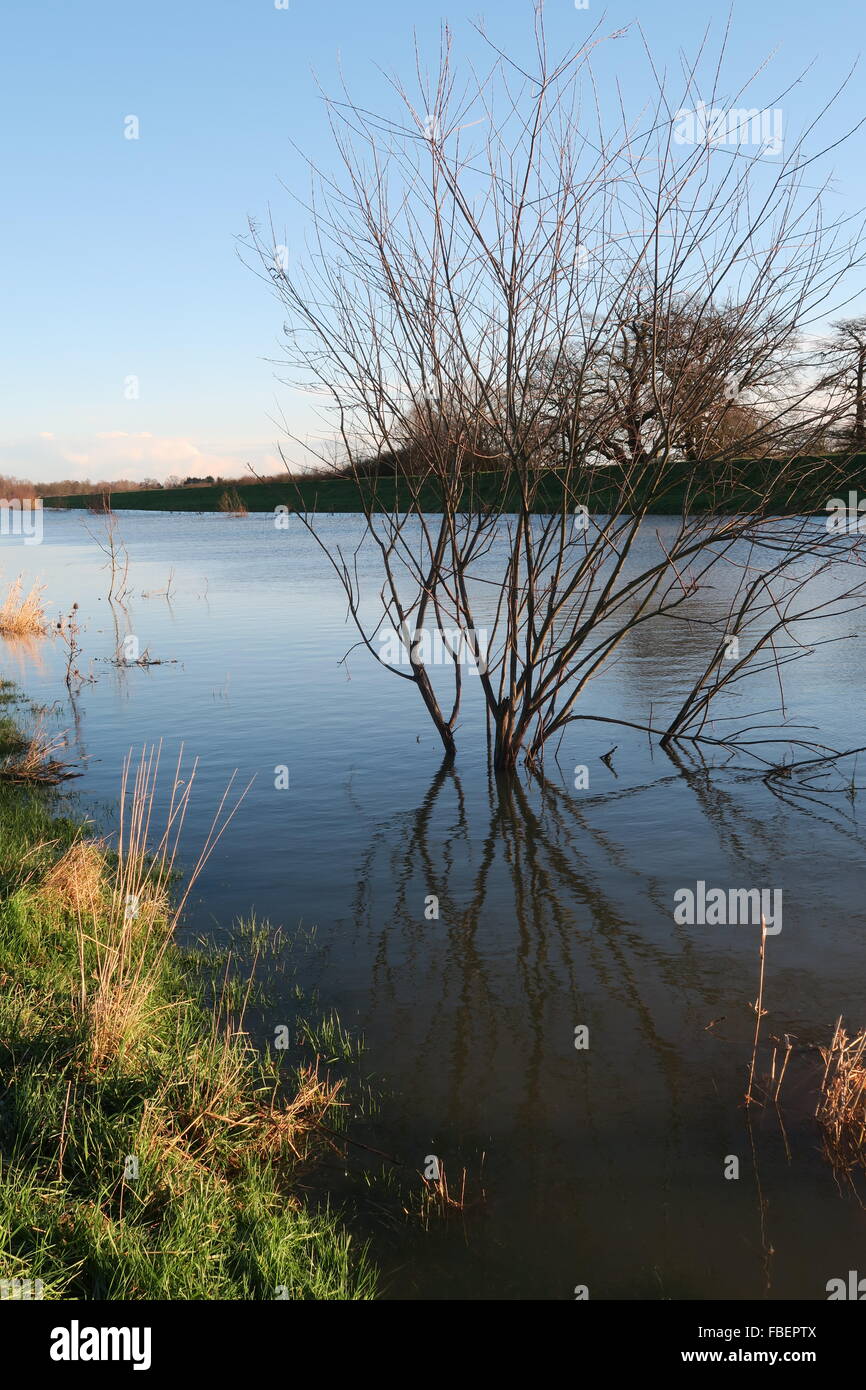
point(147, 1149)
point(821, 480)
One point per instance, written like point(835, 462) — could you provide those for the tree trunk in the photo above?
point(506, 747)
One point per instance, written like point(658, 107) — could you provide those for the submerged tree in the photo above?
point(545, 313)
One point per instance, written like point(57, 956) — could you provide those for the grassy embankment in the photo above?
point(147, 1149)
point(834, 477)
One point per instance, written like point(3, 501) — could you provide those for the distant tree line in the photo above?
point(702, 373)
point(77, 487)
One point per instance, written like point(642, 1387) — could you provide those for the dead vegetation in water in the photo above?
point(166, 593)
point(841, 1109)
point(68, 630)
point(35, 760)
point(116, 553)
point(232, 504)
point(23, 614)
point(437, 1202)
point(144, 660)
point(841, 1102)
point(760, 1012)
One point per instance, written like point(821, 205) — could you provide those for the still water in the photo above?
point(601, 1166)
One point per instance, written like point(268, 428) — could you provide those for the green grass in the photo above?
point(223, 1133)
point(329, 1039)
point(324, 495)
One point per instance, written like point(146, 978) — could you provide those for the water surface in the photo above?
point(601, 1167)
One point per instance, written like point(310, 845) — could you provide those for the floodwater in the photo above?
point(602, 1166)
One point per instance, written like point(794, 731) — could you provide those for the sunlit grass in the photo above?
point(148, 1150)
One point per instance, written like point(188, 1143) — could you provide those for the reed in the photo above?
point(22, 614)
point(438, 1202)
point(841, 1109)
point(232, 503)
point(121, 949)
point(759, 1013)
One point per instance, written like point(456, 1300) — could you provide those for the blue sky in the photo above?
point(120, 256)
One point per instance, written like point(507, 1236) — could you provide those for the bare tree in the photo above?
point(700, 371)
point(546, 318)
point(117, 557)
point(845, 354)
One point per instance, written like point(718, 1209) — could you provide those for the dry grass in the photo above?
point(228, 1121)
point(438, 1203)
point(121, 949)
point(438, 1200)
point(842, 1103)
point(760, 1011)
point(287, 1125)
point(23, 615)
point(232, 503)
point(77, 882)
point(36, 760)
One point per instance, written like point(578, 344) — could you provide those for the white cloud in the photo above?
point(111, 454)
